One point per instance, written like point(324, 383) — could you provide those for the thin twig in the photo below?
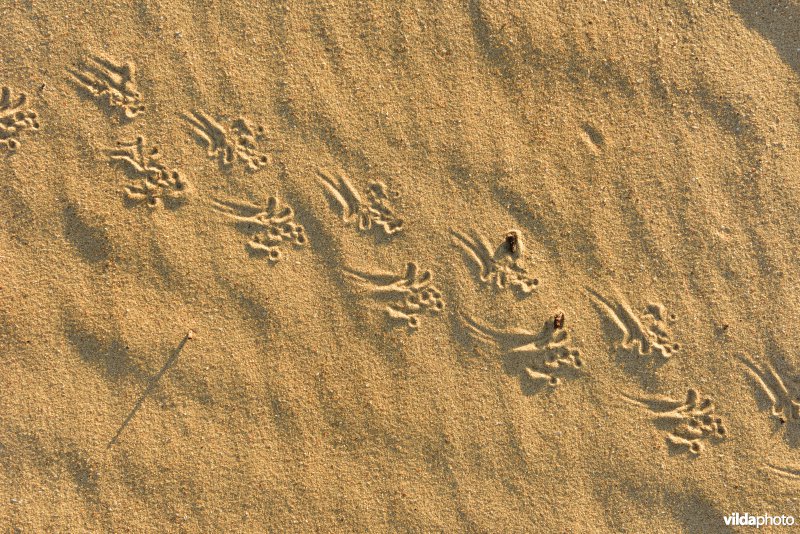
point(150, 387)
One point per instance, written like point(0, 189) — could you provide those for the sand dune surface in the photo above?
point(398, 266)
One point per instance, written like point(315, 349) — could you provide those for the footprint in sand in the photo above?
point(241, 142)
point(15, 119)
point(688, 423)
point(152, 183)
point(410, 295)
point(645, 335)
point(110, 81)
point(269, 227)
point(376, 212)
point(783, 396)
point(502, 267)
point(543, 357)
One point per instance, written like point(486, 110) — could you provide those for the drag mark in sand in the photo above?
point(501, 267)
point(268, 226)
point(788, 472)
point(536, 358)
point(376, 212)
point(151, 386)
point(687, 422)
point(411, 294)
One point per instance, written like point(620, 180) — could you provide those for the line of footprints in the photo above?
point(544, 357)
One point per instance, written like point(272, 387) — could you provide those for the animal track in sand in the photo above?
point(785, 404)
point(687, 422)
point(410, 294)
point(154, 183)
point(788, 472)
point(111, 81)
point(641, 335)
point(240, 142)
point(501, 267)
point(14, 119)
point(269, 227)
point(376, 212)
point(541, 357)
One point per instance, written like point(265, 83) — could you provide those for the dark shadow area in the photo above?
point(111, 357)
point(777, 21)
point(492, 48)
point(696, 512)
point(90, 241)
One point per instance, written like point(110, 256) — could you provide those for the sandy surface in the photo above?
point(303, 311)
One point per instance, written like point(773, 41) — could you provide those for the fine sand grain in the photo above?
point(398, 266)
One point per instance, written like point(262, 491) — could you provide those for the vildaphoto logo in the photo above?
point(747, 520)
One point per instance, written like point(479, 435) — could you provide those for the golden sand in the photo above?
point(398, 266)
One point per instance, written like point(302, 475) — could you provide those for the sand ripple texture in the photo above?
point(398, 266)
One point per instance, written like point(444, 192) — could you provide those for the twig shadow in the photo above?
point(150, 387)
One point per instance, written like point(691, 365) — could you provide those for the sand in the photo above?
point(302, 267)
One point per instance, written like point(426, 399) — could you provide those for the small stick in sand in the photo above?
point(512, 241)
point(558, 321)
point(153, 382)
